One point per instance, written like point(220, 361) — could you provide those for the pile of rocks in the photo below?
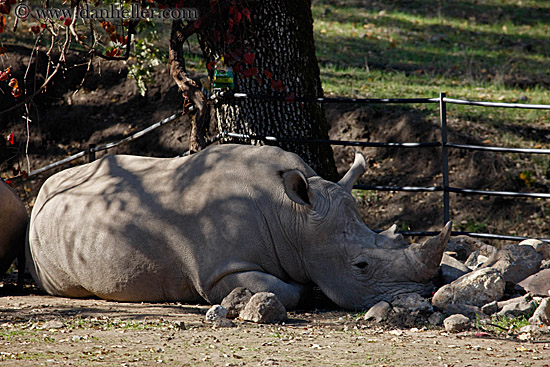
point(263, 308)
point(476, 281)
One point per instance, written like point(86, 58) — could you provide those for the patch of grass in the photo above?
point(500, 324)
point(365, 196)
point(472, 225)
point(481, 51)
point(106, 323)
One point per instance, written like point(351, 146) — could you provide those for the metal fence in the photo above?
point(444, 144)
point(445, 187)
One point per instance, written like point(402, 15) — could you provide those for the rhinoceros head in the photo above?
point(354, 266)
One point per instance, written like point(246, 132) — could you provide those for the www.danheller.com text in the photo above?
point(113, 11)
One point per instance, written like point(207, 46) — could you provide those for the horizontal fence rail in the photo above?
point(498, 104)
point(292, 98)
point(442, 144)
point(499, 149)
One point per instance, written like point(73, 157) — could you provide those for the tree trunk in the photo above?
point(279, 34)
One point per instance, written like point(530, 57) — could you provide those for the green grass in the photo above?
point(502, 324)
point(488, 50)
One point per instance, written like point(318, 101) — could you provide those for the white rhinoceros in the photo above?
point(133, 228)
point(13, 228)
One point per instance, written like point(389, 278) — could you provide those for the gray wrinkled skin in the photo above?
point(13, 228)
point(148, 229)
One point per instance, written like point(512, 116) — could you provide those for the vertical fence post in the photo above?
point(444, 157)
point(91, 153)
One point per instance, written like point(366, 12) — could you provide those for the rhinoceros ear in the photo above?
point(357, 169)
point(296, 186)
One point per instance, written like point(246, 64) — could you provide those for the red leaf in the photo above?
point(237, 17)
point(246, 13)
point(13, 83)
point(231, 9)
point(35, 29)
point(211, 65)
point(250, 72)
point(10, 138)
point(230, 23)
point(268, 74)
point(9, 182)
point(290, 97)
point(248, 58)
point(276, 84)
point(68, 22)
point(4, 75)
point(43, 25)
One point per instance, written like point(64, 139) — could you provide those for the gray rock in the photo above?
point(535, 329)
point(235, 301)
point(216, 313)
point(224, 322)
point(457, 323)
point(471, 262)
point(511, 301)
point(537, 284)
point(542, 248)
point(476, 288)
point(515, 262)
point(487, 250)
point(436, 318)
point(53, 324)
point(463, 246)
point(471, 312)
point(522, 307)
point(264, 308)
point(542, 314)
point(490, 308)
point(452, 269)
point(378, 313)
point(412, 302)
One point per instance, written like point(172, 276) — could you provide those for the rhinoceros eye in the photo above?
point(361, 265)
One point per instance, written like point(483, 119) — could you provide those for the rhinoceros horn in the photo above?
point(357, 169)
point(425, 258)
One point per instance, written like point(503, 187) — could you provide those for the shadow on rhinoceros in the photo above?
point(188, 229)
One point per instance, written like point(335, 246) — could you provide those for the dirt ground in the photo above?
point(40, 330)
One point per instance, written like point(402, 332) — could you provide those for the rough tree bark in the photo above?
point(280, 36)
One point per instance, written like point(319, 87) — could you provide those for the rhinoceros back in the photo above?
point(149, 229)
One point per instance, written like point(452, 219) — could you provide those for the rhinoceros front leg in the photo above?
point(256, 281)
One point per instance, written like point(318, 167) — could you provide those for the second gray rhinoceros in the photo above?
point(13, 228)
point(133, 228)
